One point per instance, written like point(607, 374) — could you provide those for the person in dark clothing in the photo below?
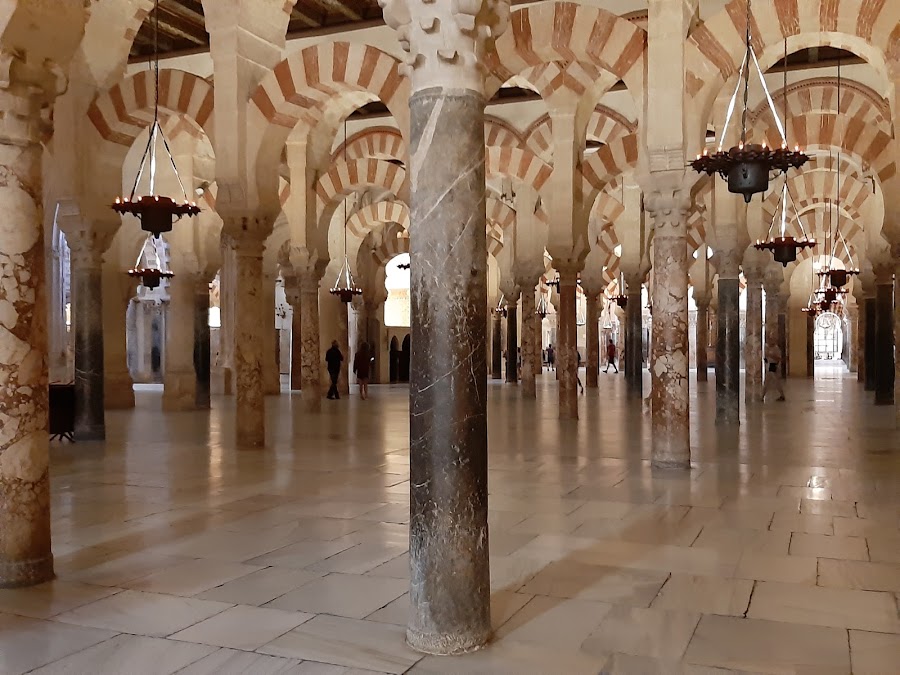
point(577, 368)
point(362, 364)
point(334, 359)
point(611, 356)
point(551, 357)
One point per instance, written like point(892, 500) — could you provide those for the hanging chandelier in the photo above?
point(784, 247)
point(501, 308)
point(149, 274)
point(156, 212)
point(344, 286)
point(747, 166)
point(621, 298)
point(542, 309)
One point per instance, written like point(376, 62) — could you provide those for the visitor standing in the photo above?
point(362, 364)
point(611, 356)
point(334, 358)
point(773, 373)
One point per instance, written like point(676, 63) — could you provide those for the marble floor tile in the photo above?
point(359, 559)
point(823, 546)
point(27, 643)
point(512, 658)
point(658, 633)
point(397, 568)
point(554, 622)
point(710, 595)
point(874, 653)
point(736, 539)
point(347, 642)
point(820, 507)
point(347, 595)
point(122, 568)
point(816, 606)
point(191, 577)
point(883, 549)
point(787, 568)
point(242, 627)
point(768, 646)
point(235, 662)
point(258, 588)
point(615, 585)
point(51, 598)
point(143, 613)
point(304, 553)
point(864, 576)
point(795, 522)
point(132, 654)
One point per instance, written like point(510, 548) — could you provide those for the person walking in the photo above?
point(577, 369)
point(334, 358)
point(362, 364)
point(773, 373)
point(551, 357)
point(611, 356)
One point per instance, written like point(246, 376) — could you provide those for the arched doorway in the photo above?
point(395, 360)
point(404, 360)
point(828, 337)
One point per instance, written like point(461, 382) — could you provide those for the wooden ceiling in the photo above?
point(182, 29)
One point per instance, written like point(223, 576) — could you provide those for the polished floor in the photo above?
point(778, 553)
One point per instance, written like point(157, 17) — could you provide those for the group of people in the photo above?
point(611, 353)
point(362, 368)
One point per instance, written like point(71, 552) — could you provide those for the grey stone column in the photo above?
point(728, 352)
point(592, 336)
point(87, 317)
point(270, 366)
point(860, 340)
point(201, 343)
point(884, 338)
point(496, 345)
point(180, 372)
point(512, 342)
point(753, 341)
point(634, 339)
point(670, 420)
point(810, 346)
point(566, 350)
point(531, 351)
point(292, 294)
point(783, 331)
point(853, 337)
point(871, 344)
point(253, 318)
point(343, 338)
point(702, 339)
point(311, 372)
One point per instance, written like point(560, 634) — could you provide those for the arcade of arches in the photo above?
point(509, 185)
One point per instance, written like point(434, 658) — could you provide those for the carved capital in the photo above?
point(27, 90)
point(445, 42)
point(668, 206)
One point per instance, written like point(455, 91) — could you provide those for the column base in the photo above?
point(441, 644)
point(668, 464)
point(180, 392)
point(250, 439)
point(118, 393)
point(91, 433)
point(22, 573)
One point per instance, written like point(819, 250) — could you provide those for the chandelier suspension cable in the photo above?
point(837, 193)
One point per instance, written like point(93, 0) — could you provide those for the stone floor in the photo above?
point(778, 553)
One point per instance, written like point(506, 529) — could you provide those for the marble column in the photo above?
point(252, 319)
point(810, 346)
point(860, 340)
point(343, 338)
point(592, 337)
point(566, 348)
point(783, 338)
point(270, 365)
point(180, 378)
point(497, 345)
point(531, 350)
point(728, 345)
point(202, 370)
point(118, 387)
point(25, 555)
point(753, 340)
point(373, 335)
point(884, 339)
point(871, 349)
point(292, 294)
point(853, 337)
point(310, 357)
point(702, 339)
point(634, 340)
point(87, 317)
point(512, 340)
point(671, 446)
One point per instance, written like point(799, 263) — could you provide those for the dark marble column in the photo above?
point(567, 349)
point(871, 349)
point(884, 340)
point(671, 441)
point(201, 343)
point(87, 311)
point(783, 338)
point(592, 336)
point(852, 337)
point(343, 338)
point(512, 341)
point(496, 345)
point(531, 349)
point(292, 295)
point(311, 372)
point(753, 340)
point(810, 345)
point(448, 530)
point(634, 340)
point(254, 317)
point(702, 340)
point(860, 340)
point(728, 353)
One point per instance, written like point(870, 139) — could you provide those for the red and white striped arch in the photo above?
point(394, 241)
point(606, 164)
point(370, 217)
point(343, 178)
point(501, 134)
point(517, 163)
point(374, 142)
point(606, 125)
point(499, 212)
point(122, 112)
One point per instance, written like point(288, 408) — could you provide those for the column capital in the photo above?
point(86, 250)
point(510, 289)
point(568, 269)
point(25, 89)
point(667, 198)
point(446, 42)
point(244, 229)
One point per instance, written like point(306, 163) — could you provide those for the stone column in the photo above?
point(270, 365)
point(753, 339)
point(118, 387)
point(512, 339)
point(292, 294)
point(871, 345)
point(343, 338)
point(530, 336)
point(25, 554)
point(592, 337)
point(310, 357)
point(853, 337)
point(201, 344)
point(251, 323)
point(87, 317)
point(772, 284)
point(884, 335)
point(671, 446)
point(810, 346)
point(634, 338)
point(566, 348)
point(728, 345)
point(374, 337)
point(180, 378)
point(860, 339)
point(449, 569)
point(702, 339)
point(497, 345)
